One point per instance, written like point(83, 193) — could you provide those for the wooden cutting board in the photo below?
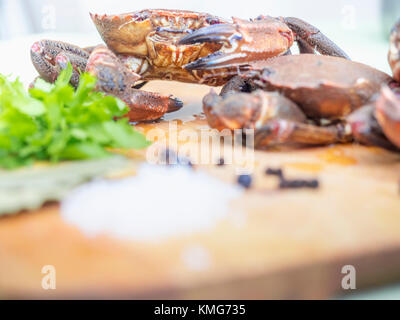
point(275, 244)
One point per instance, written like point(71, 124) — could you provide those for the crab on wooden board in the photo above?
point(310, 99)
point(171, 45)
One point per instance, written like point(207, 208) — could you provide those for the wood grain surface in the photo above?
point(273, 244)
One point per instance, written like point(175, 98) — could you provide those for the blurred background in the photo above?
point(360, 27)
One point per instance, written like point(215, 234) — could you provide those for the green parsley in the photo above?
point(55, 122)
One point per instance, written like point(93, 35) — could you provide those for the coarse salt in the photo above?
point(158, 203)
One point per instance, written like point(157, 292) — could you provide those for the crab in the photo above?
point(172, 45)
point(140, 46)
point(305, 99)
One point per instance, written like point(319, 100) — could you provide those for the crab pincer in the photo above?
point(115, 79)
point(247, 42)
point(242, 42)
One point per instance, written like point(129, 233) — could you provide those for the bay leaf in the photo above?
point(30, 188)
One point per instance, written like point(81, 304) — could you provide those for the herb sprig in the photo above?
point(56, 122)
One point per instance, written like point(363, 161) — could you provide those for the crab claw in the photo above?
point(50, 57)
point(115, 79)
point(214, 33)
point(388, 115)
point(243, 42)
point(250, 111)
point(233, 112)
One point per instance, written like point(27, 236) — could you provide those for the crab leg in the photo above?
point(277, 132)
point(307, 34)
point(304, 47)
point(50, 57)
point(115, 79)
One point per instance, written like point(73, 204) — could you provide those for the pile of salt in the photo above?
point(157, 203)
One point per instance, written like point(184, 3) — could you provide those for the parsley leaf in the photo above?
point(54, 122)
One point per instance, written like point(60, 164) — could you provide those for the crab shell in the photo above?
point(325, 87)
point(147, 42)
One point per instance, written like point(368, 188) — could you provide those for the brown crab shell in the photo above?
point(325, 87)
point(126, 33)
point(154, 35)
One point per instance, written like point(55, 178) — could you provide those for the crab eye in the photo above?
point(140, 16)
point(212, 20)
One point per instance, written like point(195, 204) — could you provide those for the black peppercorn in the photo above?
point(245, 181)
point(169, 156)
point(274, 172)
point(183, 161)
point(221, 162)
point(299, 184)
